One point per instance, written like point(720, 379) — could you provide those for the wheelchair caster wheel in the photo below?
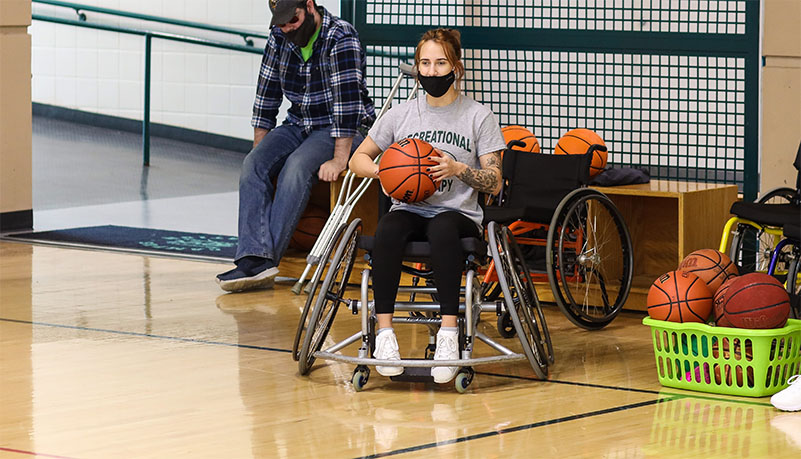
point(463, 380)
point(359, 379)
point(505, 326)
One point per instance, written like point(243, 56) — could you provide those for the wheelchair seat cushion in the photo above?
point(420, 251)
point(767, 214)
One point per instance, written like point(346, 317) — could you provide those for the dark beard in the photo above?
point(303, 34)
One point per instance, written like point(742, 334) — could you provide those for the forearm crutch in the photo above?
point(348, 197)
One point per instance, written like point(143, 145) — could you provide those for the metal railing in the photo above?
point(246, 35)
point(149, 35)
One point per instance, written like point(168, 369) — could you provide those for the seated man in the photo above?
point(317, 62)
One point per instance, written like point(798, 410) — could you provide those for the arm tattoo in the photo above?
point(486, 179)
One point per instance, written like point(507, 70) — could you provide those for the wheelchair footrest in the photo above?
point(414, 374)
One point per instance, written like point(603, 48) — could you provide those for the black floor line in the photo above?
point(572, 383)
point(522, 427)
point(274, 349)
point(147, 335)
point(628, 389)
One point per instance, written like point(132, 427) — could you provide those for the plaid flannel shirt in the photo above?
point(327, 90)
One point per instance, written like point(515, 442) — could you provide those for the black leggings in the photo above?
point(443, 232)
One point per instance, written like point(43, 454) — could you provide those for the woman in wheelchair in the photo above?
point(468, 139)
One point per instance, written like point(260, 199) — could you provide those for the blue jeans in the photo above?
point(269, 214)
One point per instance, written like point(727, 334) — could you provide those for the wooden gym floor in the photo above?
point(107, 354)
point(123, 355)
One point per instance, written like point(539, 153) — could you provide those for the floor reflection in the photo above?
point(709, 427)
point(350, 423)
point(16, 367)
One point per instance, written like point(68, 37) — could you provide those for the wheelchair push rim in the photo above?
point(532, 318)
point(590, 259)
point(516, 302)
point(314, 285)
point(330, 296)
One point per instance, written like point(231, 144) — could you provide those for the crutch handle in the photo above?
point(407, 69)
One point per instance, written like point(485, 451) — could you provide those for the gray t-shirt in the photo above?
point(463, 129)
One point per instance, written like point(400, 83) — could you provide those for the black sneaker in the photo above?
point(240, 279)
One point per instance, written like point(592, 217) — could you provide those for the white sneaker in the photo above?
point(789, 399)
point(447, 349)
point(386, 348)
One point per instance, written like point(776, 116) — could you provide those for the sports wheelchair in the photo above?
point(584, 228)
point(756, 229)
point(577, 233)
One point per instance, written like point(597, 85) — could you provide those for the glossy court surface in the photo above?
point(123, 355)
point(113, 355)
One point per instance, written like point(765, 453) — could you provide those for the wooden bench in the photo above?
point(667, 221)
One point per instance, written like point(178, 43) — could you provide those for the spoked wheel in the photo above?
point(752, 247)
point(783, 195)
point(314, 285)
point(330, 296)
point(521, 303)
point(532, 318)
point(590, 258)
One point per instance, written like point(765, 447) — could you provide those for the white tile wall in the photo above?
point(192, 86)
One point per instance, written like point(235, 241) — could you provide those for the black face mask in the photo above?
point(303, 34)
point(436, 86)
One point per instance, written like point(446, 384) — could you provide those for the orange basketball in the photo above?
point(720, 299)
point(679, 296)
point(310, 225)
point(757, 301)
point(522, 134)
point(711, 266)
point(578, 142)
point(402, 170)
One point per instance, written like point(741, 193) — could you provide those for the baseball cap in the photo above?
point(283, 10)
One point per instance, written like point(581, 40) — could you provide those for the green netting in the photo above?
point(723, 17)
point(670, 85)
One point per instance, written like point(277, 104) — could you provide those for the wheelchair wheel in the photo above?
point(521, 299)
point(314, 284)
point(794, 284)
point(359, 378)
point(589, 258)
point(330, 296)
point(535, 319)
point(752, 248)
point(505, 326)
point(783, 195)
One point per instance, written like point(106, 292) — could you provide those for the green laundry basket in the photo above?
point(722, 360)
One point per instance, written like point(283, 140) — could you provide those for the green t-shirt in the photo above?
point(306, 51)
